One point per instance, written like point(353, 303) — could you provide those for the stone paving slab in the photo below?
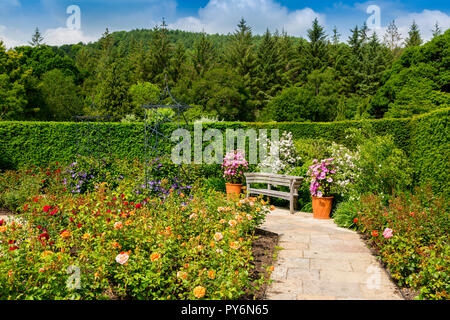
point(321, 261)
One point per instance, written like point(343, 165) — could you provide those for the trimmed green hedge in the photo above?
point(424, 139)
point(430, 150)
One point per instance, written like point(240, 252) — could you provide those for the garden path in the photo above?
point(321, 261)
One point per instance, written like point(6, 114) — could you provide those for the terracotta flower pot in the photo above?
point(233, 189)
point(322, 207)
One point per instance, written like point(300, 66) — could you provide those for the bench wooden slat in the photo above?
point(273, 193)
point(270, 179)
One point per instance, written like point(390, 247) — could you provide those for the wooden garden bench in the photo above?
point(272, 179)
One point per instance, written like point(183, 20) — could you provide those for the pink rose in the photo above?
point(387, 234)
point(122, 258)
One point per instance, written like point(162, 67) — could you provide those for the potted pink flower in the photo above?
point(234, 166)
point(320, 176)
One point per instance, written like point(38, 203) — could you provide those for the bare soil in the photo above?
point(263, 250)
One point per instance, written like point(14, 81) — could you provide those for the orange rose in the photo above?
point(211, 274)
point(182, 274)
point(199, 292)
point(155, 256)
point(118, 225)
point(234, 245)
point(65, 234)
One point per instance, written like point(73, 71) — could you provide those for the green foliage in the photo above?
point(62, 101)
point(417, 83)
point(345, 214)
point(430, 154)
point(424, 139)
point(180, 248)
point(16, 188)
point(234, 76)
point(383, 167)
point(417, 251)
point(143, 93)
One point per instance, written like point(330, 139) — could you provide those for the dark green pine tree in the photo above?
point(161, 51)
point(241, 55)
point(113, 96)
point(336, 36)
point(268, 70)
point(354, 41)
point(364, 33)
point(375, 59)
point(204, 55)
point(37, 39)
point(317, 48)
point(414, 38)
point(437, 30)
point(242, 59)
point(177, 64)
point(354, 60)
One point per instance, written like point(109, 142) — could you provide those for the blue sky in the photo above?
point(19, 18)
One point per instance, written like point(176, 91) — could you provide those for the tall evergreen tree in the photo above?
point(336, 36)
point(414, 38)
point(317, 45)
point(268, 70)
point(204, 55)
point(392, 38)
point(241, 57)
point(437, 30)
point(161, 51)
point(37, 39)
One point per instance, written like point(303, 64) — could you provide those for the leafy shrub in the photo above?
point(414, 243)
point(310, 149)
point(345, 214)
point(282, 157)
point(383, 167)
point(216, 184)
point(347, 172)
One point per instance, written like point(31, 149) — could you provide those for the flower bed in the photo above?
point(411, 237)
point(102, 245)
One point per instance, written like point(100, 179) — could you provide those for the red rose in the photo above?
point(13, 248)
point(355, 220)
point(44, 236)
point(47, 208)
point(138, 206)
point(375, 233)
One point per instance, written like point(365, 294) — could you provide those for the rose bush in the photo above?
point(103, 245)
point(411, 236)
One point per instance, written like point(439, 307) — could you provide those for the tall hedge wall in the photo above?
point(430, 150)
point(424, 138)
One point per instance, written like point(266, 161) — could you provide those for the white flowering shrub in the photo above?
point(282, 156)
point(347, 171)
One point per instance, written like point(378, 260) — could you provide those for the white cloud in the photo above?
point(425, 20)
point(10, 37)
point(222, 16)
point(60, 36)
